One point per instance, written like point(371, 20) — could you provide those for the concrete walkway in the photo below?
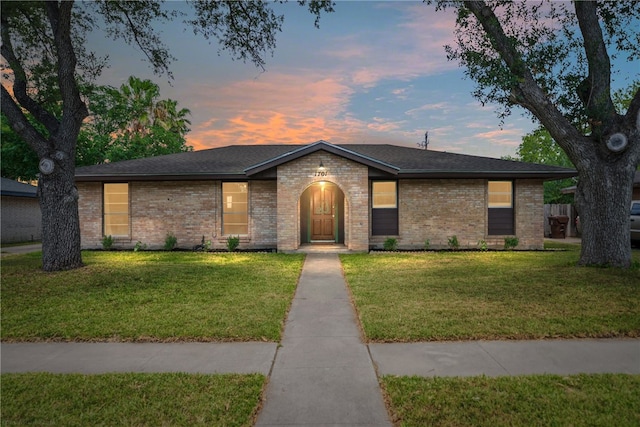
point(97, 358)
point(22, 249)
point(323, 374)
point(499, 358)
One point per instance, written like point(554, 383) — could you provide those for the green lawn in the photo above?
point(42, 399)
point(535, 400)
point(491, 295)
point(149, 296)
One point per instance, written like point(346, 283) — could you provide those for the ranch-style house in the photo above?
point(285, 197)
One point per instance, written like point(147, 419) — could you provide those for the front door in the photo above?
point(323, 213)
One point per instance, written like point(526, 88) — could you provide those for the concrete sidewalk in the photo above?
point(22, 249)
point(323, 374)
point(499, 358)
point(96, 358)
point(463, 358)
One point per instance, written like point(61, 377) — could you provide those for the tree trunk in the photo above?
point(603, 200)
point(60, 219)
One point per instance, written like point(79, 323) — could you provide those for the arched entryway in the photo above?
point(322, 214)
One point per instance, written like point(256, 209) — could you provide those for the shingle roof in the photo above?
point(242, 161)
point(9, 187)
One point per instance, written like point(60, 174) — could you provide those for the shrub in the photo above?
point(170, 242)
point(482, 244)
point(107, 242)
point(510, 242)
point(427, 244)
point(453, 242)
point(139, 246)
point(233, 243)
point(390, 244)
point(206, 245)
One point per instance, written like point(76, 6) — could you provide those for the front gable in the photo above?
point(321, 146)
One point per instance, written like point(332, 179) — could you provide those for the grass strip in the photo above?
point(542, 400)
point(149, 296)
point(130, 399)
point(491, 295)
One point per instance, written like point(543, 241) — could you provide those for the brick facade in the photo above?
point(190, 210)
point(437, 209)
point(351, 177)
point(433, 209)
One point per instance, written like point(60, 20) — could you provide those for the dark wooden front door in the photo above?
point(323, 213)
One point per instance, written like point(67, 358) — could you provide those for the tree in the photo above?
point(108, 134)
point(130, 123)
point(554, 60)
point(538, 147)
point(44, 53)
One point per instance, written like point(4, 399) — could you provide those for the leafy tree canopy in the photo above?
point(125, 123)
point(554, 59)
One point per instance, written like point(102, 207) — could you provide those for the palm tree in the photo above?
point(166, 115)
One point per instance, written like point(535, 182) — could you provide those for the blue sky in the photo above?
point(374, 72)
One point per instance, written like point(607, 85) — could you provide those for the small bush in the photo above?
point(482, 244)
point(233, 243)
point(427, 244)
point(390, 244)
point(170, 242)
point(139, 246)
point(453, 242)
point(510, 242)
point(107, 242)
point(206, 245)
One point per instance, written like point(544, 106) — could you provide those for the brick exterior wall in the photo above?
point(90, 210)
point(433, 209)
point(187, 209)
point(437, 209)
point(263, 197)
point(529, 204)
point(352, 178)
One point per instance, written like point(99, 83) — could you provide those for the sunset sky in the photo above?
point(375, 72)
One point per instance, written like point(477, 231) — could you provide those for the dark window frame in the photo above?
point(385, 220)
point(501, 220)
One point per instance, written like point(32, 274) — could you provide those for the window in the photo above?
point(235, 208)
point(384, 195)
point(500, 194)
point(500, 204)
point(384, 208)
point(116, 210)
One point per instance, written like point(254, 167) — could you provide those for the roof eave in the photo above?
point(159, 177)
point(433, 174)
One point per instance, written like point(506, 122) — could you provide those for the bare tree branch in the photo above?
point(20, 83)
point(597, 101)
point(60, 19)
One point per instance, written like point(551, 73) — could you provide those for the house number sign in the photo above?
point(321, 173)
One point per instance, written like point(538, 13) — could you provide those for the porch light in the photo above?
point(321, 166)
